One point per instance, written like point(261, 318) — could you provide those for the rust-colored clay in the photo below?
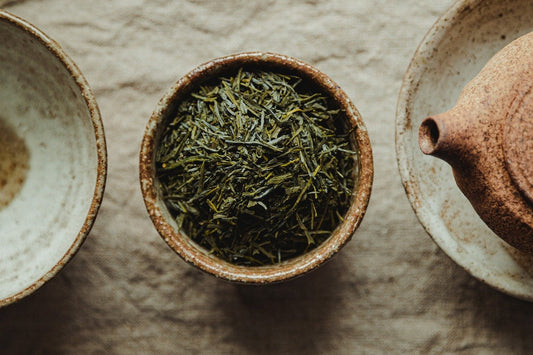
point(487, 138)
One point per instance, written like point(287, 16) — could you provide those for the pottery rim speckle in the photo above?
point(453, 51)
point(196, 255)
point(55, 49)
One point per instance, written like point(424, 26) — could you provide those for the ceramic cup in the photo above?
point(52, 158)
point(198, 256)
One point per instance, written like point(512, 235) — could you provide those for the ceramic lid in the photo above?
point(518, 141)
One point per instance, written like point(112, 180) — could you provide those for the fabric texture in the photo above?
point(390, 290)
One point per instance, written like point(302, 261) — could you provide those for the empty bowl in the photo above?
point(199, 256)
point(52, 158)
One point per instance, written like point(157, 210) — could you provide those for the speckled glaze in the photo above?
point(53, 155)
point(196, 255)
point(485, 138)
point(453, 52)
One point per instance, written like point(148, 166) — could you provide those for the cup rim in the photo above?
point(184, 246)
point(101, 149)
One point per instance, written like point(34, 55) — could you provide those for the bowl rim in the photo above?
point(411, 79)
point(261, 274)
point(101, 148)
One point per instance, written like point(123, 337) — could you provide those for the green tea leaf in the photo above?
point(257, 167)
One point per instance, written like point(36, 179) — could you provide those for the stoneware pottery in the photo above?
point(488, 140)
point(492, 114)
point(52, 158)
point(197, 256)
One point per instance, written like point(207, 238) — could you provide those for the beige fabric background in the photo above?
point(390, 290)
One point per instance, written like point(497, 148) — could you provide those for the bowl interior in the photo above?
point(197, 255)
point(456, 48)
point(49, 158)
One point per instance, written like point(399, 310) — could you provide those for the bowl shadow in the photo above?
point(482, 316)
point(503, 316)
point(40, 322)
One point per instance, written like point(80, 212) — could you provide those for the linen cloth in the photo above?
point(390, 290)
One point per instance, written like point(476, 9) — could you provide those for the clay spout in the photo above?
point(444, 136)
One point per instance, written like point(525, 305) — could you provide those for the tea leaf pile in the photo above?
point(255, 168)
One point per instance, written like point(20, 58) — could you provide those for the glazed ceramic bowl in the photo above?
point(196, 255)
point(453, 52)
point(52, 158)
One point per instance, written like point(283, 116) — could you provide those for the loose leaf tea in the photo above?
point(256, 168)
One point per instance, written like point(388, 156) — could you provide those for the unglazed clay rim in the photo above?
point(410, 83)
point(55, 49)
point(264, 274)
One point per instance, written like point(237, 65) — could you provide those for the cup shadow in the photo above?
point(296, 316)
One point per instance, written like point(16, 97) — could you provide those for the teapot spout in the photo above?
point(429, 135)
point(444, 136)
